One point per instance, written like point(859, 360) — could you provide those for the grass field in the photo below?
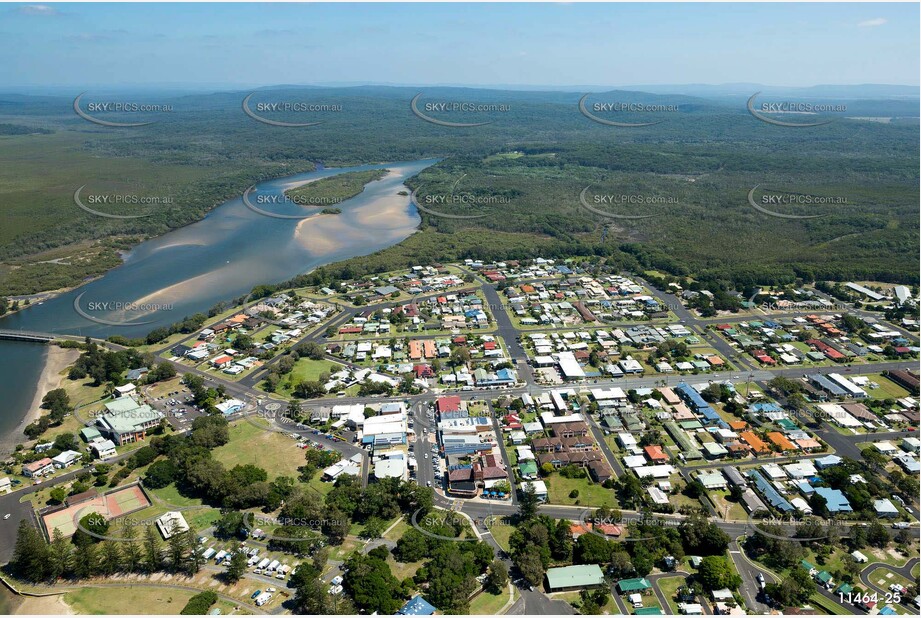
point(276, 453)
point(403, 570)
point(305, 369)
point(886, 388)
point(128, 600)
point(502, 531)
point(488, 604)
point(590, 494)
point(883, 577)
point(669, 587)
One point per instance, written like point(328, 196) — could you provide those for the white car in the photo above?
point(7, 516)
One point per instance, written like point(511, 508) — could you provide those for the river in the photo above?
point(217, 258)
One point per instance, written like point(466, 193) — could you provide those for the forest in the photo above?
point(526, 178)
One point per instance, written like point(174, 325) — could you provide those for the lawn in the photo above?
point(883, 577)
point(886, 389)
point(397, 531)
point(735, 510)
point(669, 588)
point(276, 453)
point(501, 531)
point(590, 494)
point(488, 604)
point(170, 496)
point(134, 599)
point(402, 570)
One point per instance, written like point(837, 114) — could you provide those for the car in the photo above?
point(429, 483)
point(255, 594)
point(7, 516)
point(270, 590)
point(426, 455)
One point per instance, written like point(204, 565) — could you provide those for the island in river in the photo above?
point(333, 189)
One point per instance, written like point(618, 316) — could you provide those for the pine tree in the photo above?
point(86, 561)
point(131, 552)
point(111, 559)
point(237, 565)
point(177, 550)
point(194, 560)
point(153, 551)
point(60, 560)
point(30, 556)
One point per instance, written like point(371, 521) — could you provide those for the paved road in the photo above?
point(749, 571)
point(538, 604)
point(884, 592)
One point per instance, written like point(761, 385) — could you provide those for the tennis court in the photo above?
point(119, 502)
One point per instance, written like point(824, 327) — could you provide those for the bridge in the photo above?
point(25, 335)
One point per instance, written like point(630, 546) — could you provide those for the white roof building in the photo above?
point(171, 523)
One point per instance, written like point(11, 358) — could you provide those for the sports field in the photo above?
point(119, 502)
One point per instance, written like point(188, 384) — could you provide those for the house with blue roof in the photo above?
point(827, 462)
point(764, 407)
point(417, 606)
point(835, 501)
point(805, 487)
point(770, 494)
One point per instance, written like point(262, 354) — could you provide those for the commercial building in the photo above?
point(574, 577)
point(126, 421)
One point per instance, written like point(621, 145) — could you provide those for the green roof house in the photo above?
point(637, 584)
point(574, 577)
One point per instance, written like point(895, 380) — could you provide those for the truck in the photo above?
point(220, 556)
point(263, 598)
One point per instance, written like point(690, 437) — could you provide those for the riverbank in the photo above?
point(55, 362)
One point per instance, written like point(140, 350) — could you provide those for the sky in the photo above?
point(207, 45)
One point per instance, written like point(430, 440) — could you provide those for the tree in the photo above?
point(59, 556)
point(496, 577)
point(412, 546)
point(110, 557)
point(131, 552)
point(153, 550)
point(374, 528)
point(591, 549)
point(237, 566)
point(310, 597)
point(715, 573)
point(92, 529)
point(877, 535)
point(620, 565)
point(530, 564)
point(527, 503)
point(230, 525)
point(703, 537)
point(199, 604)
point(160, 474)
point(57, 495)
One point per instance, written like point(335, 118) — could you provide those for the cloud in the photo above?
point(872, 23)
point(37, 9)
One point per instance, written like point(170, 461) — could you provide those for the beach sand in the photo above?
point(56, 361)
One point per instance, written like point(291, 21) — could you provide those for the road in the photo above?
point(749, 571)
point(884, 592)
